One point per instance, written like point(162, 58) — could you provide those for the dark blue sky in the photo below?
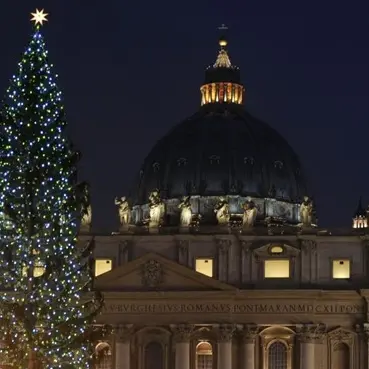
point(131, 70)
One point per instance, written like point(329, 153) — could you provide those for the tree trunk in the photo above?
point(33, 361)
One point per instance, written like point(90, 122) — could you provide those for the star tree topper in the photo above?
point(39, 17)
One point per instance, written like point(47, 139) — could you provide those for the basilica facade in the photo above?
point(219, 262)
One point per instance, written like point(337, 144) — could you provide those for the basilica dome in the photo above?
point(222, 150)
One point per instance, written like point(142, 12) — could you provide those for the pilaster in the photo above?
point(183, 252)
point(123, 334)
point(309, 335)
point(225, 336)
point(245, 261)
point(182, 335)
point(224, 246)
point(249, 334)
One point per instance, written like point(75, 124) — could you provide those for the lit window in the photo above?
point(102, 266)
point(204, 266)
point(276, 250)
point(277, 268)
point(341, 269)
point(277, 356)
point(204, 356)
point(104, 357)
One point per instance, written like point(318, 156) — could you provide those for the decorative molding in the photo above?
point(223, 245)
point(152, 273)
point(365, 240)
point(249, 333)
point(311, 333)
point(263, 252)
point(149, 335)
point(341, 335)
point(182, 332)
point(274, 334)
point(363, 331)
point(225, 332)
point(183, 246)
point(123, 251)
point(123, 332)
point(183, 251)
point(366, 331)
point(246, 247)
point(366, 301)
point(309, 246)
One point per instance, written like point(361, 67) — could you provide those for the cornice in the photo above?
point(212, 236)
point(364, 293)
point(307, 294)
point(239, 295)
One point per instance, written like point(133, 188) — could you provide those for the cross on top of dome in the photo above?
point(223, 60)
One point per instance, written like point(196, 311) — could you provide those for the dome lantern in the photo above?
point(222, 79)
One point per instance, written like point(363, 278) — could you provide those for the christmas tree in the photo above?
point(46, 309)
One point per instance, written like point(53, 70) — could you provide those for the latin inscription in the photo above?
point(164, 308)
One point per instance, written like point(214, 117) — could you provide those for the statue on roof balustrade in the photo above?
point(157, 209)
point(87, 218)
point(124, 211)
point(250, 212)
point(186, 211)
point(221, 210)
point(306, 212)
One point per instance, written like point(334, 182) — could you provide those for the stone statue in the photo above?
point(250, 212)
point(124, 211)
point(222, 211)
point(87, 218)
point(157, 209)
point(186, 211)
point(306, 212)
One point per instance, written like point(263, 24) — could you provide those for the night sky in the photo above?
point(130, 71)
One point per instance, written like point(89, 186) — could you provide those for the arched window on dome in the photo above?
point(104, 356)
point(204, 355)
point(277, 355)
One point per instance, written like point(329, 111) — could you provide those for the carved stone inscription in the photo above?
point(239, 308)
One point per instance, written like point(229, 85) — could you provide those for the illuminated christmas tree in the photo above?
point(45, 317)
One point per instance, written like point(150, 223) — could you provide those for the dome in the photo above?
point(222, 150)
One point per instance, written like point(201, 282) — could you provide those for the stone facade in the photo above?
point(163, 310)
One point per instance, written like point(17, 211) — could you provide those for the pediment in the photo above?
point(340, 334)
point(152, 272)
point(267, 251)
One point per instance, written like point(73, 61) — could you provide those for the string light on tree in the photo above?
point(46, 321)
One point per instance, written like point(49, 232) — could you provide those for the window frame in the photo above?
point(264, 253)
point(210, 354)
point(107, 362)
point(288, 352)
